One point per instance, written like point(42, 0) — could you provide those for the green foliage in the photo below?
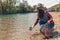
point(8, 6)
point(22, 8)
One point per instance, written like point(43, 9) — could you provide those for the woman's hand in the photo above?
point(33, 27)
point(50, 20)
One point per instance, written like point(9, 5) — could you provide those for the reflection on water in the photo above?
point(15, 26)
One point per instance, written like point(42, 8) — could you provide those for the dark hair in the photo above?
point(41, 12)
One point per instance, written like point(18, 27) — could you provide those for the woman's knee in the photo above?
point(51, 25)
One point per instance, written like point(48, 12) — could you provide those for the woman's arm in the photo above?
point(37, 20)
point(50, 17)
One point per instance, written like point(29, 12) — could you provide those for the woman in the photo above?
point(42, 19)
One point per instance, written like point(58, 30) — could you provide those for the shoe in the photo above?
point(46, 38)
point(51, 37)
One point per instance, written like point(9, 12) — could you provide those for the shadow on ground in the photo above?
point(56, 34)
point(34, 35)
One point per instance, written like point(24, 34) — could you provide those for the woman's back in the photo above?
point(44, 19)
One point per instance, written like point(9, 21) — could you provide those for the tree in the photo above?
point(29, 9)
point(34, 7)
point(11, 5)
point(7, 6)
point(22, 8)
point(17, 9)
point(0, 7)
point(58, 9)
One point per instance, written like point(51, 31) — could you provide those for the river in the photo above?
point(16, 26)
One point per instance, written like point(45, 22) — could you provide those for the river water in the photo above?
point(16, 26)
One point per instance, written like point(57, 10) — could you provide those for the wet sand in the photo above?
point(12, 28)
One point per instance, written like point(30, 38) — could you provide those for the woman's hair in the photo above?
point(40, 12)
